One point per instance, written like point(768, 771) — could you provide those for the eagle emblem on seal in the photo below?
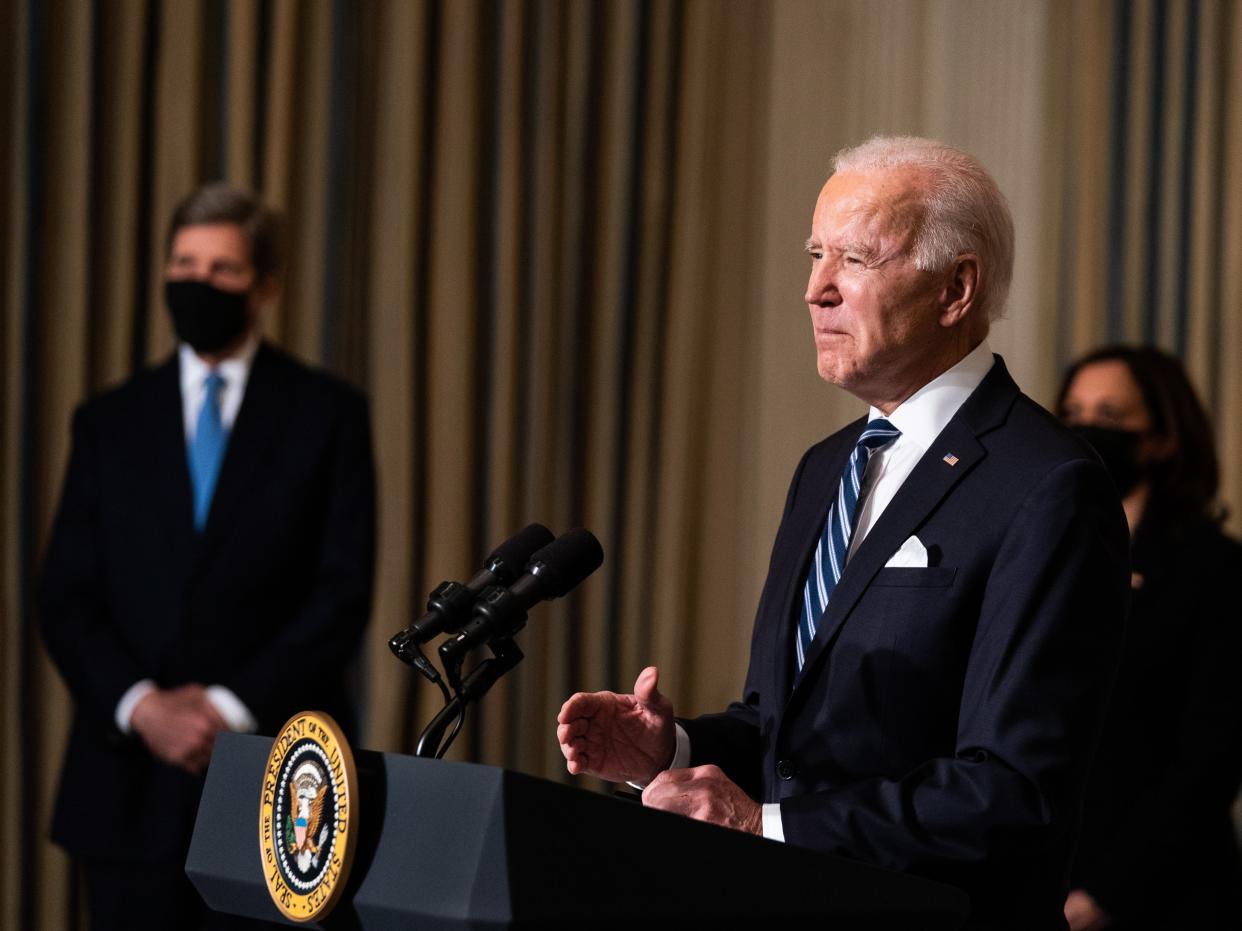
point(307, 791)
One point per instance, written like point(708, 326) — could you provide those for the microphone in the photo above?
point(552, 572)
point(448, 606)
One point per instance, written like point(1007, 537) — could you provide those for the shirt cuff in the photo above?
point(129, 701)
point(681, 755)
point(773, 826)
point(234, 711)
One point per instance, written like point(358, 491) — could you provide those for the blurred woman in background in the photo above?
point(1158, 848)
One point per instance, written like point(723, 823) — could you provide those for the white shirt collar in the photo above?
point(922, 416)
point(236, 373)
point(235, 369)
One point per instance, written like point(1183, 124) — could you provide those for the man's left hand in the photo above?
point(1083, 912)
point(707, 794)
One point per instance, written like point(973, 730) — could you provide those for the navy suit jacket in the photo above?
point(946, 716)
point(269, 601)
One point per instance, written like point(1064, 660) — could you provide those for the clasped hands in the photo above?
point(632, 738)
point(179, 725)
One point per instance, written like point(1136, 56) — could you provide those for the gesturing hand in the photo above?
point(179, 726)
point(621, 738)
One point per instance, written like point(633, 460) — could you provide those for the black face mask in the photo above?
point(204, 316)
point(1119, 451)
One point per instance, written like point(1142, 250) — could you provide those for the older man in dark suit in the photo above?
point(210, 566)
point(943, 608)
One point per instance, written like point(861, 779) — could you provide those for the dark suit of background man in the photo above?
point(942, 716)
point(210, 567)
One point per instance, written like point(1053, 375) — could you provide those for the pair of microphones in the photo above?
point(530, 567)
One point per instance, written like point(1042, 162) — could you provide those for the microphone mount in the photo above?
point(489, 610)
point(505, 655)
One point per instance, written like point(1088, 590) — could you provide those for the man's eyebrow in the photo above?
point(855, 247)
point(866, 250)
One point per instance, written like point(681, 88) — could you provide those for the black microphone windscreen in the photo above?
point(567, 560)
point(510, 558)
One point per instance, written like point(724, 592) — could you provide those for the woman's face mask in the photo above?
point(1104, 405)
point(1119, 449)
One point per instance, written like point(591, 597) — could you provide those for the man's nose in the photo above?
point(820, 287)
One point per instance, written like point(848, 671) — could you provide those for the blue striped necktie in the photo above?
point(834, 542)
point(207, 449)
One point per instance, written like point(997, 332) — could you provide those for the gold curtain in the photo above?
point(506, 224)
point(558, 243)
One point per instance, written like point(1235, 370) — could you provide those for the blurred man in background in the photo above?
point(210, 566)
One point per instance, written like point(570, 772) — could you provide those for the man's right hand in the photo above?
point(179, 726)
point(621, 738)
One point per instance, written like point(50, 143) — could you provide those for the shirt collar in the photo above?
point(925, 413)
point(235, 369)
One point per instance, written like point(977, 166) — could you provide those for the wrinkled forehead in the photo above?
point(886, 203)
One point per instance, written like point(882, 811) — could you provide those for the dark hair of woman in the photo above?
point(1183, 483)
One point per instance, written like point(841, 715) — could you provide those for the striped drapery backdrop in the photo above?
point(1151, 224)
point(559, 245)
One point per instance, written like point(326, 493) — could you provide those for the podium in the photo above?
point(459, 845)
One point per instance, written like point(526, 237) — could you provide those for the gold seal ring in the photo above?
point(308, 816)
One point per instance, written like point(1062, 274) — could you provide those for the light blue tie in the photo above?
point(207, 449)
point(834, 542)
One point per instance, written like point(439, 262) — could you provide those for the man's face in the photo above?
point(875, 316)
point(217, 253)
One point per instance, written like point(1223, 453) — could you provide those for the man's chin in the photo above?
point(834, 372)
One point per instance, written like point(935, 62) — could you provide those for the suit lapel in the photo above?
point(931, 480)
point(806, 524)
point(257, 427)
point(164, 429)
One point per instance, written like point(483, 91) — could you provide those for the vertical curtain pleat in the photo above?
point(16, 834)
point(59, 336)
point(452, 358)
point(1203, 259)
point(307, 161)
point(1084, 263)
point(20, 832)
point(397, 238)
point(176, 140)
point(243, 92)
point(1227, 373)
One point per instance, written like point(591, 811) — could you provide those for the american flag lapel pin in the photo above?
point(950, 459)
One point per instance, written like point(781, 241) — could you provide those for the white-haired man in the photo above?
point(943, 607)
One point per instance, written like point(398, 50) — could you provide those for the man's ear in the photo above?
point(961, 290)
point(266, 290)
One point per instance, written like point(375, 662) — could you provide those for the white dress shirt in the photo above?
point(235, 371)
point(920, 418)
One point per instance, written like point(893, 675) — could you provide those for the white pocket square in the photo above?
point(912, 555)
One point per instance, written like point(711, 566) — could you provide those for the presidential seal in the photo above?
point(307, 816)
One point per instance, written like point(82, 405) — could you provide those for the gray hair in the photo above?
point(965, 211)
point(219, 202)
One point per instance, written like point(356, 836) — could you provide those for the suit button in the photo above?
point(785, 769)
